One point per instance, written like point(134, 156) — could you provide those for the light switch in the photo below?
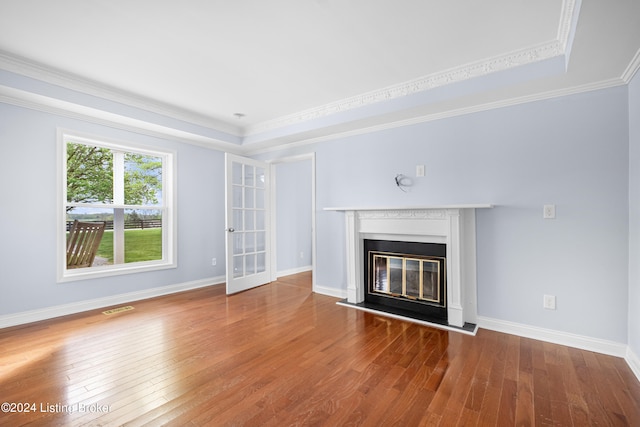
point(549, 212)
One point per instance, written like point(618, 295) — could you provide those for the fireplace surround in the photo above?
point(451, 225)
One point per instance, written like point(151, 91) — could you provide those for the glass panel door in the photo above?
point(247, 223)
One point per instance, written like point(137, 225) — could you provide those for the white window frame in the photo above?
point(168, 208)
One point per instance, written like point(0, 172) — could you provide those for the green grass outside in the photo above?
point(139, 245)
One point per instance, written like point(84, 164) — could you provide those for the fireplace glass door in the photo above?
point(411, 277)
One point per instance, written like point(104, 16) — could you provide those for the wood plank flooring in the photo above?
point(280, 355)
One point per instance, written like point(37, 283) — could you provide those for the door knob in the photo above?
point(231, 229)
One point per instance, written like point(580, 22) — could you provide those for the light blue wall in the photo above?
point(293, 215)
point(634, 215)
point(28, 173)
point(570, 151)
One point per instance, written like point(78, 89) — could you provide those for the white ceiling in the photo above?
point(285, 62)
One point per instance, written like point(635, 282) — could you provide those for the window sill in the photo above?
point(112, 270)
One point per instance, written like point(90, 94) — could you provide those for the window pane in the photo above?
point(104, 253)
point(260, 220)
point(238, 267)
point(237, 196)
point(248, 198)
point(260, 177)
point(259, 198)
point(238, 243)
point(250, 264)
point(142, 180)
point(89, 174)
point(260, 241)
point(142, 235)
point(250, 242)
point(100, 178)
point(249, 176)
point(249, 222)
point(238, 223)
point(261, 262)
point(236, 173)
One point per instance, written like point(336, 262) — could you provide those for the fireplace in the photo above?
point(452, 226)
point(408, 276)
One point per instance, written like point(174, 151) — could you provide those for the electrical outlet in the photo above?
point(301, 255)
point(420, 170)
point(549, 302)
point(549, 212)
point(214, 261)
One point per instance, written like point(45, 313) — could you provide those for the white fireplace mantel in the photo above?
point(453, 225)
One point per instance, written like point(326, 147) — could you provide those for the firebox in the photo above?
point(408, 277)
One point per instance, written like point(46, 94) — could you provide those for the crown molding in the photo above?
point(432, 81)
point(275, 145)
point(23, 66)
point(569, 11)
point(632, 68)
point(568, 18)
point(58, 107)
point(67, 109)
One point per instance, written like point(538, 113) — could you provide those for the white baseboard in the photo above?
point(324, 290)
point(329, 291)
point(563, 338)
point(633, 361)
point(78, 307)
point(291, 271)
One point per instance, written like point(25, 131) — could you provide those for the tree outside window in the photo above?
point(123, 187)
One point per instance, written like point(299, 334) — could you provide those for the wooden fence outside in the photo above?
point(141, 224)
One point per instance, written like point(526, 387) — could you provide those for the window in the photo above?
point(127, 190)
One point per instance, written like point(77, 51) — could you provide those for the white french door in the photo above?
point(247, 223)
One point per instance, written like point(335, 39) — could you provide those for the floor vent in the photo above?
point(118, 310)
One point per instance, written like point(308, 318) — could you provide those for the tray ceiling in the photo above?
point(287, 62)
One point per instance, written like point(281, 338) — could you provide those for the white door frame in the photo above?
point(274, 233)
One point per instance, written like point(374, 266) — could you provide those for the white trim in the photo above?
point(447, 77)
point(291, 271)
point(633, 361)
point(274, 145)
point(274, 187)
point(71, 110)
point(445, 224)
point(632, 68)
point(30, 316)
point(569, 13)
point(169, 208)
point(568, 23)
point(26, 67)
point(557, 337)
point(409, 211)
point(535, 53)
point(46, 104)
point(330, 291)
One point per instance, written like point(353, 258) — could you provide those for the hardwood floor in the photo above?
point(280, 355)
